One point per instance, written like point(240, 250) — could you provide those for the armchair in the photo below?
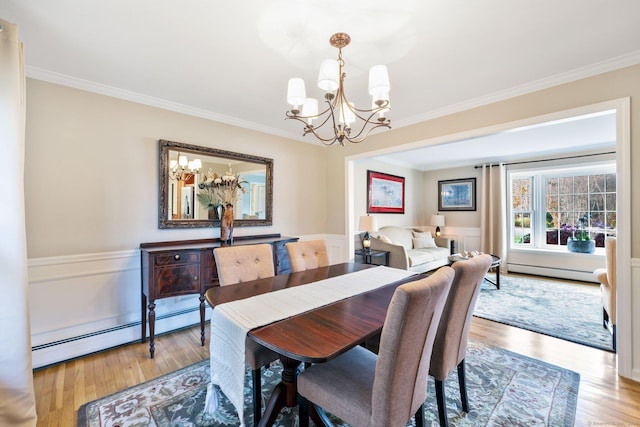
point(607, 278)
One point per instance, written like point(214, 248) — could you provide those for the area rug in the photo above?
point(505, 389)
point(554, 308)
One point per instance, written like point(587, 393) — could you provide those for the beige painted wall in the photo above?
point(605, 87)
point(413, 193)
point(91, 177)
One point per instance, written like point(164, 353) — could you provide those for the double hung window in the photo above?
point(550, 205)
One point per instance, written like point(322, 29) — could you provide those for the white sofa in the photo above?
point(407, 249)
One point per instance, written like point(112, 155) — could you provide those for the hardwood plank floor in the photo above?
point(604, 398)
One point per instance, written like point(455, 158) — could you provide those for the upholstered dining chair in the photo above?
point(450, 345)
point(388, 389)
point(307, 254)
point(236, 264)
point(607, 278)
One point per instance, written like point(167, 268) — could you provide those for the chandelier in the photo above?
point(340, 116)
point(183, 169)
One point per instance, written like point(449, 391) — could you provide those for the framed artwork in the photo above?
point(457, 195)
point(385, 193)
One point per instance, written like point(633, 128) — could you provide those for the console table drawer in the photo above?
point(177, 257)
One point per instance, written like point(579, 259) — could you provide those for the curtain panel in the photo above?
point(17, 401)
point(493, 212)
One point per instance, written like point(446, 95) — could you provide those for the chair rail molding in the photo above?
point(82, 304)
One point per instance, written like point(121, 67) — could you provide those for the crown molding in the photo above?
point(558, 79)
point(577, 74)
point(101, 89)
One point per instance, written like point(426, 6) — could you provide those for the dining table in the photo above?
point(313, 336)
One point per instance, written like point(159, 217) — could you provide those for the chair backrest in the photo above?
point(610, 255)
point(406, 342)
point(307, 254)
point(237, 264)
point(450, 345)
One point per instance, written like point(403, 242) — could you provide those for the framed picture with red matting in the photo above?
point(385, 193)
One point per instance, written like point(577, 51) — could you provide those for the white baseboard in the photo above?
point(551, 272)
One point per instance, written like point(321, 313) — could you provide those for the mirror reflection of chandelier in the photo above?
point(340, 114)
point(183, 169)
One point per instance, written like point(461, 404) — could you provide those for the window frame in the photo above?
point(538, 176)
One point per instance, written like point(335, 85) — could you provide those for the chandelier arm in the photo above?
point(364, 127)
point(357, 139)
point(308, 129)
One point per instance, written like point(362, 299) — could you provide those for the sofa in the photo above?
point(412, 249)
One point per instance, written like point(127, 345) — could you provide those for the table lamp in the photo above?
point(437, 221)
point(367, 223)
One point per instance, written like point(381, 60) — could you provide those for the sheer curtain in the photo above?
point(493, 212)
point(17, 402)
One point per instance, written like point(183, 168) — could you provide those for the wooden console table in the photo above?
point(187, 267)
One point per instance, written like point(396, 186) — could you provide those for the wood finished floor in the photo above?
point(604, 398)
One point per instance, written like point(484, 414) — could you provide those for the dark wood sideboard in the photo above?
point(187, 267)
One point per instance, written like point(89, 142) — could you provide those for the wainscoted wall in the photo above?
point(81, 304)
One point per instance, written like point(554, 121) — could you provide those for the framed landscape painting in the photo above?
point(457, 195)
point(385, 193)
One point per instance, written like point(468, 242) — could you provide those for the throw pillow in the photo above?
point(384, 238)
point(424, 242)
point(420, 234)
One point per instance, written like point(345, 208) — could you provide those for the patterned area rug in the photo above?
point(558, 309)
point(505, 389)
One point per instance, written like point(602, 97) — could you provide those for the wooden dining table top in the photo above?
point(321, 334)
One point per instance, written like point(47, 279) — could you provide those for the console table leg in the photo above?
point(152, 328)
point(143, 339)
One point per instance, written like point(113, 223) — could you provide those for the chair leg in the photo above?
point(257, 395)
point(605, 318)
point(442, 404)
point(419, 416)
point(463, 387)
point(303, 412)
point(613, 327)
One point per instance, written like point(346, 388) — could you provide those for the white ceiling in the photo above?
point(230, 61)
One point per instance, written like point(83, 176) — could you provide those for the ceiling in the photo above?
point(230, 61)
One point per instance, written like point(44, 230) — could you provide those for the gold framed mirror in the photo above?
point(186, 172)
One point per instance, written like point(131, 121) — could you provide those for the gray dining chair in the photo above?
point(307, 254)
point(450, 345)
point(384, 390)
point(236, 264)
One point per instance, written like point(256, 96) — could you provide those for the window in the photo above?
point(549, 206)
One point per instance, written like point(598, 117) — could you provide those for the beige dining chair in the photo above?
point(236, 264)
point(607, 278)
point(450, 345)
point(388, 389)
point(307, 254)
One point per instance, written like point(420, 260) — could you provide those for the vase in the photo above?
point(213, 212)
point(581, 246)
point(226, 224)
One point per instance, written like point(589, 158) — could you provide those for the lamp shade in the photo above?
point(437, 220)
point(379, 80)
point(328, 77)
point(296, 93)
point(368, 223)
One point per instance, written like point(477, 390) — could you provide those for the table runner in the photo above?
point(231, 322)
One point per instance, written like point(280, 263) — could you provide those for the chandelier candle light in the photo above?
point(340, 114)
point(183, 166)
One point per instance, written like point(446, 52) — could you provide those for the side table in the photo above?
point(373, 256)
point(495, 263)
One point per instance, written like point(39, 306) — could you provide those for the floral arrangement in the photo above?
point(578, 232)
point(220, 189)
